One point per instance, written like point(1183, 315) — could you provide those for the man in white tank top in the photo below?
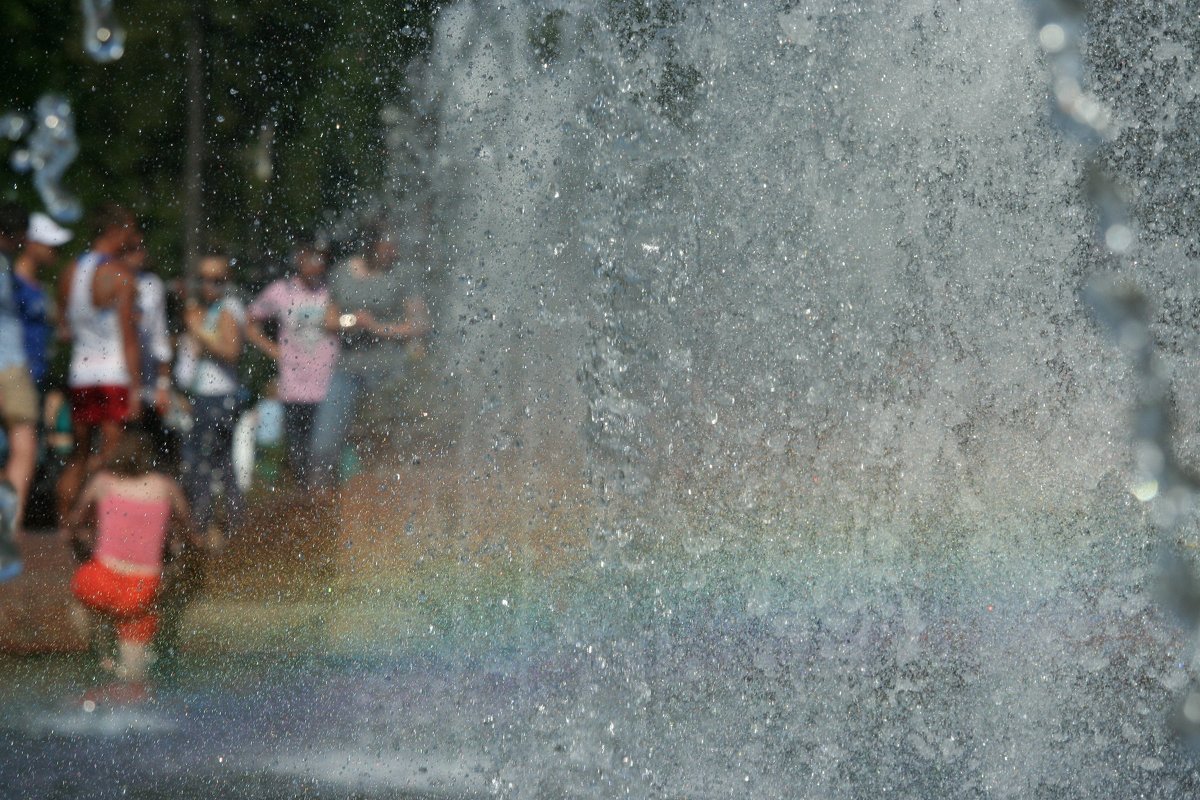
point(99, 297)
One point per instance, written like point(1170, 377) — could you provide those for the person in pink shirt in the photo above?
point(305, 352)
point(123, 517)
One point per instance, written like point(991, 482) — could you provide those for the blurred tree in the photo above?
point(291, 126)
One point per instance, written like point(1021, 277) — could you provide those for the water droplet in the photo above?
point(103, 36)
point(1052, 37)
point(48, 151)
point(1191, 708)
point(1145, 490)
point(1119, 237)
point(13, 126)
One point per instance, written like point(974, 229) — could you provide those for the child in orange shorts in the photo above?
point(130, 506)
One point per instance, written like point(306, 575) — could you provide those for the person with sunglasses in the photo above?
point(206, 370)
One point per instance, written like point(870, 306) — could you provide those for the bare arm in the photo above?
point(333, 315)
point(225, 342)
point(264, 307)
point(415, 324)
point(64, 295)
point(352, 325)
point(256, 337)
point(162, 388)
point(125, 288)
point(79, 517)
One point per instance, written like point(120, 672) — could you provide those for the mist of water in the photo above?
point(103, 35)
point(49, 149)
point(801, 295)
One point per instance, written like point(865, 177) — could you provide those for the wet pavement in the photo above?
point(1034, 664)
point(247, 728)
point(958, 689)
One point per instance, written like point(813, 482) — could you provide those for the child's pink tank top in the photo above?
point(132, 530)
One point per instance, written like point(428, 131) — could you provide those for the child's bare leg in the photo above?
point(133, 646)
point(81, 620)
point(90, 625)
point(132, 660)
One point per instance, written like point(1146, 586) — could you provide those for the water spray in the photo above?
point(52, 146)
point(1161, 479)
point(103, 36)
point(48, 151)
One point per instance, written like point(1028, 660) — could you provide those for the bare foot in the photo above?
point(110, 665)
point(81, 620)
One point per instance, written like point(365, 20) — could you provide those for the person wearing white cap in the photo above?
point(41, 252)
point(44, 230)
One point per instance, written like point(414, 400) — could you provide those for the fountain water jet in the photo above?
point(797, 296)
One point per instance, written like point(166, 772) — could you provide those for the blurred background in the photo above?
point(273, 110)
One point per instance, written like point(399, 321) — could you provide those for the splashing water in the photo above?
point(13, 126)
point(103, 36)
point(814, 280)
point(1159, 475)
point(789, 309)
point(47, 153)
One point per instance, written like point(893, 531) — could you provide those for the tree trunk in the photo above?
point(193, 178)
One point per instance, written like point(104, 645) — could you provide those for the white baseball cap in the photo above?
point(44, 230)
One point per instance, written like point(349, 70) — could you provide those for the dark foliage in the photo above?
point(293, 93)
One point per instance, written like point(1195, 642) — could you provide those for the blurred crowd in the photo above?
point(126, 414)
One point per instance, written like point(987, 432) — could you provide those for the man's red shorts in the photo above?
point(92, 405)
